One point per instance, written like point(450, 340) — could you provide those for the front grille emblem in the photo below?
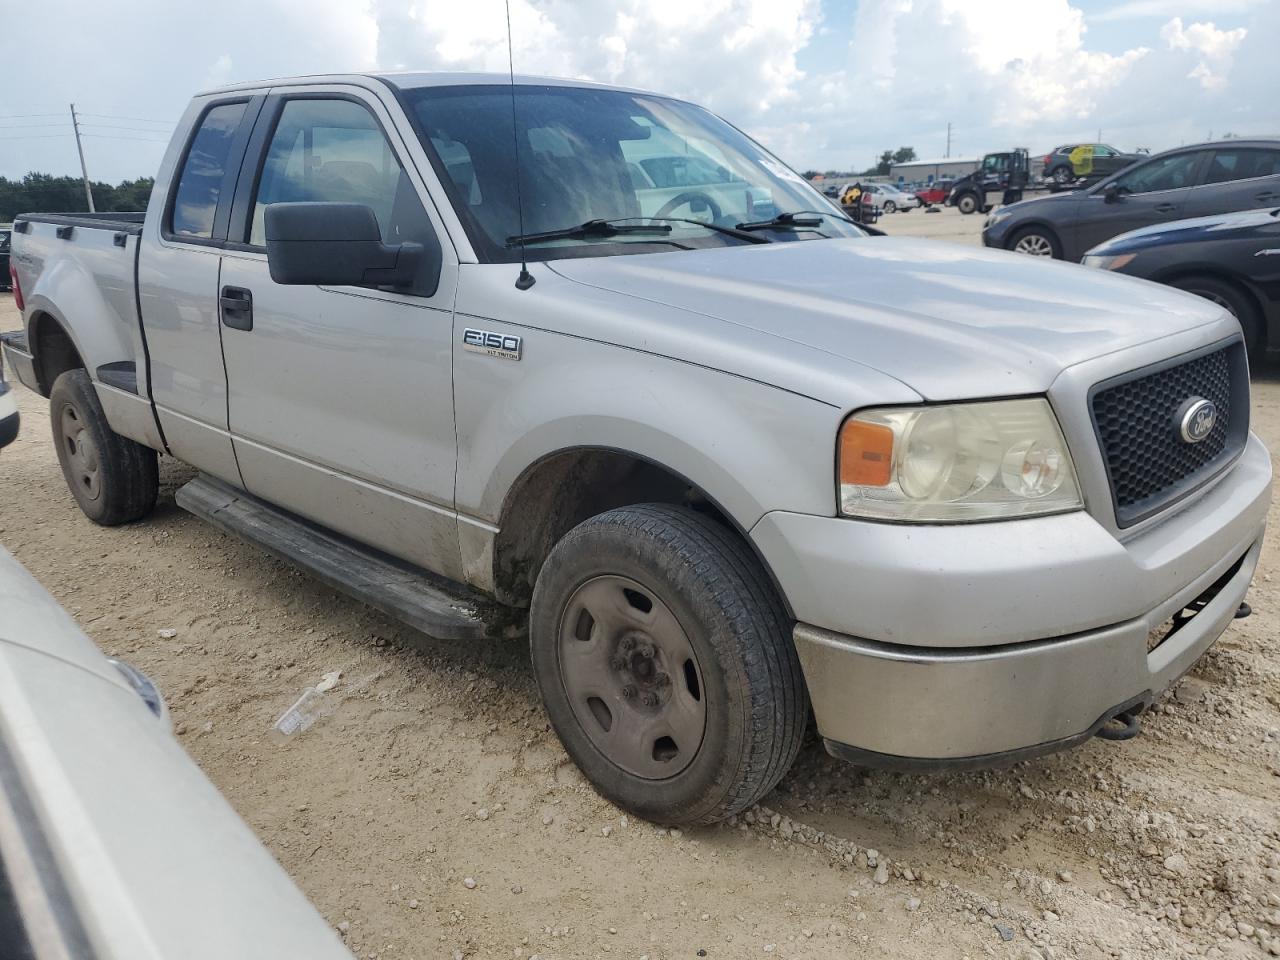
point(1196, 419)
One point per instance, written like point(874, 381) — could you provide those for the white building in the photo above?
point(930, 170)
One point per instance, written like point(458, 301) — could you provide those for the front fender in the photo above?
point(748, 446)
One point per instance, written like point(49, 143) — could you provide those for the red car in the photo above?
point(935, 193)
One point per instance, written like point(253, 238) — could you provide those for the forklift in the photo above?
point(1009, 172)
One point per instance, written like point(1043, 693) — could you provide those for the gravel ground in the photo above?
point(433, 813)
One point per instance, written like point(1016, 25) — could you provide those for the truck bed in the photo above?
point(85, 263)
point(128, 221)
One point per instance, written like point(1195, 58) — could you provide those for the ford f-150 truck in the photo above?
point(730, 458)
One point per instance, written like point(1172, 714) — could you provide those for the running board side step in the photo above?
point(434, 605)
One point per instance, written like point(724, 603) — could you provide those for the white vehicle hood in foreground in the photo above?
point(949, 321)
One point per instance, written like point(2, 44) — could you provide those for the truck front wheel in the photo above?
point(967, 203)
point(113, 479)
point(665, 660)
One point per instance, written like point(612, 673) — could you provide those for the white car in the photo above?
point(113, 844)
point(890, 199)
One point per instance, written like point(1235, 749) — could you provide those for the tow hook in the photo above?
point(1123, 726)
point(1244, 610)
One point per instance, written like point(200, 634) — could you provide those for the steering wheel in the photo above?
point(689, 197)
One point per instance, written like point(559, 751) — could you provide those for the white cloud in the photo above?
point(734, 55)
point(1164, 9)
point(1214, 46)
point(895, 72)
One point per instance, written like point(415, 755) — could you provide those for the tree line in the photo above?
point(44, 193)
point(884, 163)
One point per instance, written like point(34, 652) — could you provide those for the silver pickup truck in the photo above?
point(730, 457)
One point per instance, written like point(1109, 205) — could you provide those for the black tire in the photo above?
point(967, 203)
point(113, 479)
point(745, 669)
point(890, 206)
point(1237, 300)
point(1062, 175)
point(1035, 241)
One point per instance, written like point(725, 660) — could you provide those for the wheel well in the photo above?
point(1033, 225)
point(560, 491)
point(1223, 276)
point(54, 351)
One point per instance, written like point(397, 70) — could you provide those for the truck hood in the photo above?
point(951, 322)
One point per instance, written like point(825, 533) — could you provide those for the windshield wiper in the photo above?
point(592, 228)
point(796, 218)
point(727, 231)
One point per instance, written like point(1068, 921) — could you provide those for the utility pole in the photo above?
point(948, 153)
point(84, 171)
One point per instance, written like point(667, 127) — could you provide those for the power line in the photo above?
point(109, 136)
point(26, 116)
point(115, 126)
point(113, 116)
point(39, 136)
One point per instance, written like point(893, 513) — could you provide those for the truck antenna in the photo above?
point(525, 280)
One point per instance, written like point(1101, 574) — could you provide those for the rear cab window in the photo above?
point(200, 181)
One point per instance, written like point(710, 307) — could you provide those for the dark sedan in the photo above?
point(1233, 259)
point(1196, 181)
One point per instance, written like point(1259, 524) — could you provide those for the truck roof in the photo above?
point(414, 79)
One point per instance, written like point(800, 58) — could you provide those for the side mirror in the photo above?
point(335, 244)
point(1112, 194)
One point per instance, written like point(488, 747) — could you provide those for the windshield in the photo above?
point(608, 155)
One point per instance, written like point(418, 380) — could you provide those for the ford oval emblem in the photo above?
point(1196, 419)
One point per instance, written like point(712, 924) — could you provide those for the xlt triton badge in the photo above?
point(494, 344)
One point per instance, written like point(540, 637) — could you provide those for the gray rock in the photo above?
point(1006, 932)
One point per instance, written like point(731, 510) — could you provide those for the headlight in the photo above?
point(955, 462)
point(1108, 263)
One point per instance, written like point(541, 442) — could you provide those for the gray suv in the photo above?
point(1196, 181)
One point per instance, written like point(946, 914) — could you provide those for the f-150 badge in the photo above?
point(493, 344)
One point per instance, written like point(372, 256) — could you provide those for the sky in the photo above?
point(825, 84)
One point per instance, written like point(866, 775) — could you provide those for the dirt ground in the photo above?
point(437, 769)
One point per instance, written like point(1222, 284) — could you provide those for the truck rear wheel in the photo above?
point(113, 479)
point(665, 660)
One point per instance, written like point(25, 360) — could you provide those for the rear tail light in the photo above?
point(17, 287)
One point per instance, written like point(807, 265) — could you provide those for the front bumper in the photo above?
point(901, 707)
point(950, 642)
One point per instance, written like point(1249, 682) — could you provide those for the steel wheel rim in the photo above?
point(83, 465)
point(632, 677)
point(1034, 245)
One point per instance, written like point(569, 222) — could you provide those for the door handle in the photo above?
point(1165, 207)
point(236, 306)
point(1267, 196)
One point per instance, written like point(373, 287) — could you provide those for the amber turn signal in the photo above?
point(866, 453)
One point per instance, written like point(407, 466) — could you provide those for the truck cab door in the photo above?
point(341, 398)
point(178, 282)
